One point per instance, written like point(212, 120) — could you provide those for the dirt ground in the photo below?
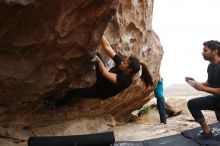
point(149, 127)
point(145, 127)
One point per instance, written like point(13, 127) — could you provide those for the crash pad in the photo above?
point(194, 135)
point(98, 139)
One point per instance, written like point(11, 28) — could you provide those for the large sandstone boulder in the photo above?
point(46, 47)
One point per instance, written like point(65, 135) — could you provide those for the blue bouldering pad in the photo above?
point(194, 135)
point(128, 143)
point(173, 140)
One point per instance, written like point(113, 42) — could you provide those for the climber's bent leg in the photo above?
point(88, 92)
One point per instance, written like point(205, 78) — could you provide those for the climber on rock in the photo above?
point(108, 83)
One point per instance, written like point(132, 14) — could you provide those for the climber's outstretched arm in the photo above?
point(107, 48)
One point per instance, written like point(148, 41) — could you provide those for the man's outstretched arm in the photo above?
point(203, 87)
point(107, 48)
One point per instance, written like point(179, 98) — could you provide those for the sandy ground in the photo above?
point(148, 126)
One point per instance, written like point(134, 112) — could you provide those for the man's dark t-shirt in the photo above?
point(214, 75)
point(107, 88)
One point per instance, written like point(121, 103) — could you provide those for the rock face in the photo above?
point(46, 47)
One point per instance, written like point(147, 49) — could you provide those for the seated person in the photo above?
point(211, 53)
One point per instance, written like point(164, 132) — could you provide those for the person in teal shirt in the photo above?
point(158, 93)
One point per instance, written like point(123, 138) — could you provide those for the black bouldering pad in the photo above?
point(173, 140)
point(193, 134)
point(99, 139)
point(128, 143)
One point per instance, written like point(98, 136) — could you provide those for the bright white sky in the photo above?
point(183, 26)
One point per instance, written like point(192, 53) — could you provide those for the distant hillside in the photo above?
point(181, 90)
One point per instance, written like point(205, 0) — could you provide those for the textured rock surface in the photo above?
point(46, 47)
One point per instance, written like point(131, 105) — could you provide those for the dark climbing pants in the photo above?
point(209, 102)
point(92, 91)
point(161, 109)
